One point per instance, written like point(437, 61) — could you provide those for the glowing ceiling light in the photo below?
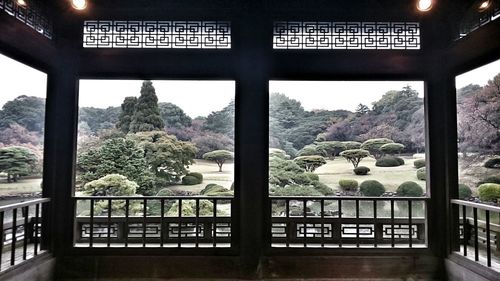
point(79, 4)
point(424, 5)
point(22, 3)
point(484, 5)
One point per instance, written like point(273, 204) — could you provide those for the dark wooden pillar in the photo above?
point(61, 115)
point(251, 43)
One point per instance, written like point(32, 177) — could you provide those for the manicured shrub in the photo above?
point(354, 156)
point(422, 174)
point(387, 161)
point(199, 176)
point(348, 184)
point(361, 170)
point(464, 191)
point(188, 209)
point(213, 188)
point(372, 188)
point(297, 190)
point(492, 179)
point(351, 144)
point(190, 180)
point(374, 145)
point(489, 192)
point(419, 163)
point(312, 149)
point(310, 163)
point(493, 163)
point(165, 192)
point(400, 160)
point(323, 188)
point(312, 176)
point(392, 148)
point(222, 193)
point(409, 189)
point(275, 152)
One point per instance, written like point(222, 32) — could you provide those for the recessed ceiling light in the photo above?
point(79, 4)
point(424, 5)
point(21, 3)
point(484, 5)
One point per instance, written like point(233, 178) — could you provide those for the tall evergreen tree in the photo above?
point(147, 114)
point(127, 113)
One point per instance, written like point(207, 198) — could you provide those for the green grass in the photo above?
point(390, 177)
point(22, 186)
point(211, 174)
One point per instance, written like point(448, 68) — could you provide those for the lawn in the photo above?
point(390, 177)
point(211, 174)
point(22, 186)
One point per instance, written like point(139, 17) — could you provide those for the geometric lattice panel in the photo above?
point(33, 15)
point(346, 35)
point(157, 34)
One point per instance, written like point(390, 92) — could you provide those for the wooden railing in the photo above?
point(348, 222)
point(479, 232)
point(20, 231)
point(169, 221)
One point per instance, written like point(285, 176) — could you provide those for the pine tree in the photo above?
point(127, 113)
point(147, 114)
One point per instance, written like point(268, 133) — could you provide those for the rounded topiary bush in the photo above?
point(190, 180)
point(387, 162)
point(372, 188)
point(165, 192)
point(348, 185)
point(493, 163)
point(464, 191)
point(199, 176)
point(361, 170)
point(409, 189)
point(422, 174)
point(489, 192)
point(419, 163)
point(400, 160)
point(492, 179)
point(213, 188)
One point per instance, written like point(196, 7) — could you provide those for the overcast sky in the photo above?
point(199, 98)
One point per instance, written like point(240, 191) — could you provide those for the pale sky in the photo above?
point(18, 79)
point(332, 95)
point(199, 98)
point(479, 76)
point(196, 98)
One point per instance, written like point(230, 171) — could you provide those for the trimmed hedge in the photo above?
point(464, 191)
point(190, 180)
point(361, 170)
point(400, 160)
point(387, 162)
point(213, 188)
point(199, 176)
point(422, 174)
point(297, 190)
point(372, 188)
point(348, 184)
point(493, 163)
point(489, 192)
point(409, 189)
point(419, 163)
point(165, 192)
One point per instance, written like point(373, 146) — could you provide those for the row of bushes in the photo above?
point(375, 188)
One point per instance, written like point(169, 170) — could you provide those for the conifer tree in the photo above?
point(147, 114)
point(127, 113)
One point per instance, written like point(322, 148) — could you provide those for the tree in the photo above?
point(167, 157)
point(373, 146)
point(332, 148)
point(147, 114)
point(99, 118)
point(310, 163)
point(117, 156)
point(355, 156)
point(219, 157)
point(127, 113)
point(207, 142)
point(26, 111)
point(16, 134)
point(351, 144)
point(174, 116)
point(222, 121)
point(16, 161)
point(362, 109)
point(312, 149)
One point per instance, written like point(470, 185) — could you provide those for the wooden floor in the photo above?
point(18, 258)
point(495, 260)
